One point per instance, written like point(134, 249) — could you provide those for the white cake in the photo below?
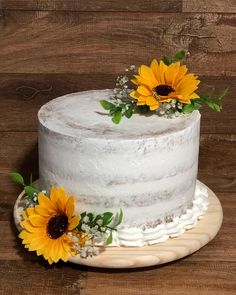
point(147, 166)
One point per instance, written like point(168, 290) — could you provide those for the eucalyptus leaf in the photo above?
point(17, 177)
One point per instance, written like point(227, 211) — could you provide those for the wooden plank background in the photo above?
point(50, 48)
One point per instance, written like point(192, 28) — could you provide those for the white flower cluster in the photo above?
point(85, 240)
point(170, 109)
point(123, 88)
point(87, 249)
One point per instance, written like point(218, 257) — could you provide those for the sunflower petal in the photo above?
point(70, 207)
point(26, 224)
point(142, 90)
point(171, 72)
point(62, 199)
point(155, 70)
point(162, 68)
point(37, 220)
point(74, 222)
point(45, 202)
point(147, 73)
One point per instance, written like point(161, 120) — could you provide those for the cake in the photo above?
point(106, 179)
point(146, 166)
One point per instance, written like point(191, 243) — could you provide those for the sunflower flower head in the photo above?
point(163, 83)
point(46, 226)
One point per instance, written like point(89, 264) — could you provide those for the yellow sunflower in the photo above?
point(46, 225)
point(162, 83)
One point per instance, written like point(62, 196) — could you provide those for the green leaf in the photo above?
point(106, 104)
point(222, 94)
point(128, 113)
point(107, 218)
point(204, 96)
point(120, 217)
point(189, 108)
point(109, 239)
point(31, 191)
point(214, 105)
point(179, 55)
point(83, 214)
point(117, 117)
point(17, 177)
point(167, 60)
point(90, 216)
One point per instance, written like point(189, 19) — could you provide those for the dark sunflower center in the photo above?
point(163, 90)
point(57, 225)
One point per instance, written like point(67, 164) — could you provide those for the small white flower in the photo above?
point(85, 228)
point(177, 114)
point(75, 239)
point(168, 106)
point(99, 222)
point(86, 219)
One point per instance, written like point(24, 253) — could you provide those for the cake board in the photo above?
point(170, 250)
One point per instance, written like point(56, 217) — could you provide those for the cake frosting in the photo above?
point(146, 166)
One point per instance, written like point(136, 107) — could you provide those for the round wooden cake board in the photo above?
point(170, 250)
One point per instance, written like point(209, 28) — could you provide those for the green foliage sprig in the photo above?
point(104, 223)
point(117, 111)
point(180, 55)
point(30, 190)
point(211, 100)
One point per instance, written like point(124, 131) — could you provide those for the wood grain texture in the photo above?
point(183, 277)
point(82, 43)
point(226, 6)
point(217, 161)
point(73, 51)
point(29, 92)
point(92, 5)
point(32, 277)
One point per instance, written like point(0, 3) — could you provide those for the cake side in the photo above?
point(150, 174)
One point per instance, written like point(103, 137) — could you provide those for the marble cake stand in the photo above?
point(170, 250)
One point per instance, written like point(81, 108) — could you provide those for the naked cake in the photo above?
point(147, 166)
point(117, 167)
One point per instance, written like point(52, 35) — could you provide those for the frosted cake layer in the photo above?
point(146, 165)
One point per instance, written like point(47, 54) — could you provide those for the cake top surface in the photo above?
point(80, 114)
